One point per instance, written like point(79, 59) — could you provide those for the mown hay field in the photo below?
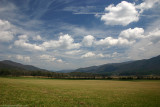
point(33, 92)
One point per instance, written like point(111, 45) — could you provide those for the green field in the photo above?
point(75, 93)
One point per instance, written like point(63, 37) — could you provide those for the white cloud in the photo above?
point(125, 13)
point(126, 37)
point(64, 42)
point(60, 60)
point(23, 37)
point(132, 34)
point(23, 58)
point(123, 41)
point(6, 34)
point(48, 58)
point(37, 38)
point(112, 42)
point(67, 42)
point(27, 59)
point(143, 49)
point(122, 14)
point(73, 52)
point(107, 41)
point(146, 47)
point(89, 54)
point(88, 40)
point(100, 55)
point(24, 43)
point(147, 4)
point(4, 25)
point(154, 33)
point(19, 57)
point(115, 54)
point(154, 36)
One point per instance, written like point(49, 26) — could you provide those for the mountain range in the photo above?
point(7, 64)
point(139, 67)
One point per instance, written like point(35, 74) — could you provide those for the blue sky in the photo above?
point(69, 34)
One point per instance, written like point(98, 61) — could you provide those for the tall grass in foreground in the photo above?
point(77, 93)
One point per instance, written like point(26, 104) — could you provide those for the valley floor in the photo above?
point(30, 92)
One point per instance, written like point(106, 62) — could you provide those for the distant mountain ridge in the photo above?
point(7, 64)
point(140, 67)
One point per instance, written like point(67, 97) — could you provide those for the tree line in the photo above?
point(71, 75)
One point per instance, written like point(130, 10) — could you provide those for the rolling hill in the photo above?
point(7, 64)
point(139, 67)
point(10, 68)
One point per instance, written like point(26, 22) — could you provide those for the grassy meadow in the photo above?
point(34, 92)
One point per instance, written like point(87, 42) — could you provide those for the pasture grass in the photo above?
point(33, 92)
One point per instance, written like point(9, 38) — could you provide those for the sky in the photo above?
point(71, 34)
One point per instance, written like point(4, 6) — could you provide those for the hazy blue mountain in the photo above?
point(139, 67)
point(7, 64)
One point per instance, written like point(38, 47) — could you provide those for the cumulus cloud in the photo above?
point(23, 58)
point(89, 54)
point(48, 58)
point(126, 37)
point(138, 34)
point(146, 47)
point(60, 60)
point(24, 43)
point(6, 34)
point(154, 36)
point(109, 41)
point(88, 40)
point(5, 25)
point(67, 42)
point(125, 13)
point(147, 4)
point(23, 37)
point(132, 34)
point(73, 52)
point(154, 33)
point(143, 49)
point(64, 42)
point(99, 55)
point(37, 38)
point(122, 14)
